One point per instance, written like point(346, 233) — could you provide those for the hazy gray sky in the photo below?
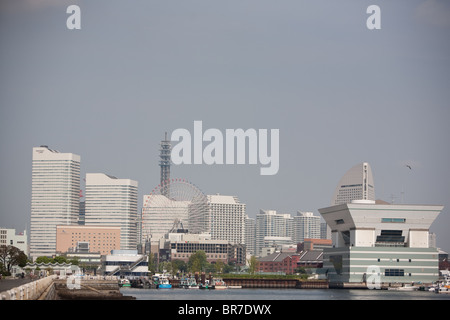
point(339, 93)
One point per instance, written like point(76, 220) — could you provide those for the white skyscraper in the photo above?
point(356, 184)
point(113, 202)
point(272, 226)
point(306, 225)
point(55, 191)
point(227, 218)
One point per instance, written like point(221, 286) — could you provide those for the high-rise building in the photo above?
point(271, 225)
point(356, 184)
point(227, 218)
point(250, 235)
point(306, 225)
point(55, 190)
point(113, 202)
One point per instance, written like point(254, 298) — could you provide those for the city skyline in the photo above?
point(339, 93)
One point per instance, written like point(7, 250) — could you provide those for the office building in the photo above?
point(227, 218)
point(393, 239)
point(55, 189)
point(356, 184)
point(113, 202)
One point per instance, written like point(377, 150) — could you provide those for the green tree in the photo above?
point(11, 256)
point(179, 266)
point(197, 261)
point(59, 259)
point(253, 265)
point(152, 263)
point(43, 259)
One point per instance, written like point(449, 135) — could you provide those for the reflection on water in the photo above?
point(279, 294)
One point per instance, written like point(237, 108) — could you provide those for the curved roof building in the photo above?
point(356, 184)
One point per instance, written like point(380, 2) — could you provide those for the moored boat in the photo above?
point(189, 283)
point(164, 283)
point(219, 284)
point(124, 283)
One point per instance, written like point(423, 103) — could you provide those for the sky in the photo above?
point(339, 93)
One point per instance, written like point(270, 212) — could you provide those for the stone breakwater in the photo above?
point(53, 288)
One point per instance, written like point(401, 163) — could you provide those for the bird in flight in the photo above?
point(409, 167)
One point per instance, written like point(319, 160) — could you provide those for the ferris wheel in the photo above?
point(183, 202)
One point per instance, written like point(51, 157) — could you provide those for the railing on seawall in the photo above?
point(30, 291)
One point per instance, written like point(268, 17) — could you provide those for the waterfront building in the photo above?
point(113, 202)
point(127, 263)
point(9, 237)
point(55, 190)
point(390, 238)
point(85, 239)
point(269, 223)
point(305, 225)
point(356, 184)
point(282, 262)
point(227, 218)
point(182, 246)
point(311, 259)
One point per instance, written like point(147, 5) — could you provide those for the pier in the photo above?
point(277, 283)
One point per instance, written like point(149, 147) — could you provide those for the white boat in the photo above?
point(404, 288)
point(189, 283)
point(219, 284)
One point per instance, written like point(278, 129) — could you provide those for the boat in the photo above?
point(219, 284)
point(124, 283)
point(189, 283)
point(164, 283)
point(404, 288)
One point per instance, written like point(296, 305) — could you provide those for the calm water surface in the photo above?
point(279, 294)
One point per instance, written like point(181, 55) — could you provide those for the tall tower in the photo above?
point(164, 163)
point(55, 197)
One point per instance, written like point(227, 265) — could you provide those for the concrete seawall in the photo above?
point(36, 290)
point(75, 288)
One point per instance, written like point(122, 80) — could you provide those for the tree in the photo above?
point(43, 259)
point(59, 259)
point(253, 265)
point(179, 266)
point(11, 256)
point(151, 263)
point(197, 261)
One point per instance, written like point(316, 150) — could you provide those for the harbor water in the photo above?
point(279, 294)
